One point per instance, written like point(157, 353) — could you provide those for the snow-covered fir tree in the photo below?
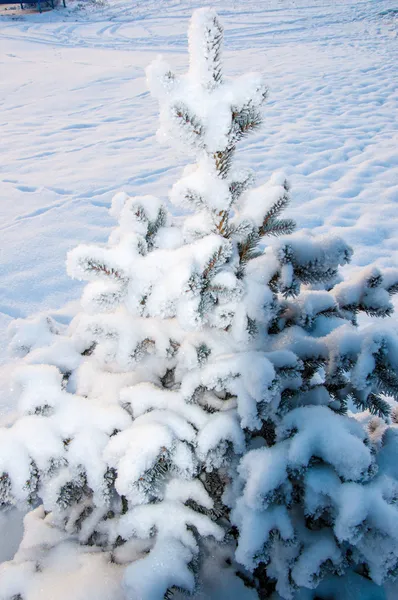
point(213, 422)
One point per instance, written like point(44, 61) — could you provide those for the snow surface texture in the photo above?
point(51, 378)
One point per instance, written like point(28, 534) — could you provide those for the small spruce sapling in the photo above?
point(214, 407)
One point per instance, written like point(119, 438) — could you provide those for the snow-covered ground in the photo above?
point(77, 124)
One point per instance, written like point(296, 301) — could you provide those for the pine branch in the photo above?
point(378, 406)
point(393, 289)
point(195, 284)
point(223, 223)
point(342, 407)
point(187, 121)
point(94, 265)
point(282, 227)
point(267, 431)
point(372, 402)
point(195, 198)
point(168, 79)
point(252, 327)
point(374, 281)
point(154, 226)
point(110, 473)
point(223, 160)
point(45, 410)
point(273, 213)
point(72, 492)
point(248, 249)
point(312, 273)
point(214, 41)
point(88, 351)
point(205, 48)
point(240, 231)
point(125, 505)
point(311, 366)
point(214, 483)
point(172, 349)
point(168, 379)
point(207, 301)
point(274, 283)
point(377, 311)
point(328, 312)
point(85, 513)
point(275, 326)
point(287, 402)
point(6, 498)
point(246, 119)
point(32, 484)
point(203, 352)
point(144, 347)
point(387, 379)
point(306, 320)
point(289, 289)
point(237, 188)
point(150, 482)
point(213, 264)
point(371, 311)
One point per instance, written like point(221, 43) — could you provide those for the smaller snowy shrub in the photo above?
point(213, 421)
